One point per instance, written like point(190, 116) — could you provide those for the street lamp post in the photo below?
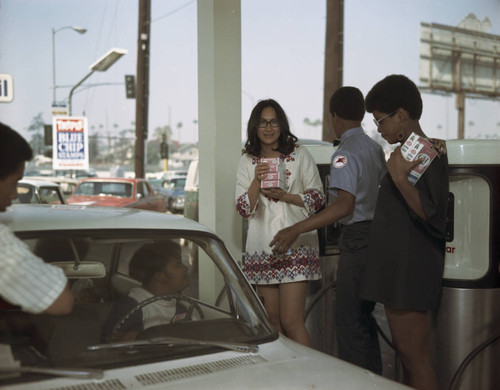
point(79, 30)
point(101, 65)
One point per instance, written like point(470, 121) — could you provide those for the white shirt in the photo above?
point(25, 279)
point(269, 216)
point(157, 313)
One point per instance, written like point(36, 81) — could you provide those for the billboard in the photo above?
point(70, 148)
point(454, 59)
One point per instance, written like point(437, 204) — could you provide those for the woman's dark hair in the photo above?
point(287, 140)
point(393, 92)
point(152, 258)
point(348, 103)
point(14, 150)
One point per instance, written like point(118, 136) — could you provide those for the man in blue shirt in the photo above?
point(357, 168)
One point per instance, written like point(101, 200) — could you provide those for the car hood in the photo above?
point(281, 364)
point(99, 201)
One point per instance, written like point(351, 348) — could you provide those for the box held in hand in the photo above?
point(414, 148)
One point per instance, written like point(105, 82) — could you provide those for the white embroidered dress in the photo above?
point(261, 265)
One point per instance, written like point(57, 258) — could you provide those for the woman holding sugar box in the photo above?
point(407, 237)
point(292, 193)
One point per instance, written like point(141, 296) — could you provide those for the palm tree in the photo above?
point(36, 125)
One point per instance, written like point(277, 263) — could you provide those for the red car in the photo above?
point(117, 192)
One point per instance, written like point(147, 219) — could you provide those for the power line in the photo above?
point(174, 11)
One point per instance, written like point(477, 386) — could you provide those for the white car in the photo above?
point(39, 191)
point(223, 340)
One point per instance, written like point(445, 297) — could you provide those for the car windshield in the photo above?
point(177, 183)
point(120, 318)
point(155, 183)
point(102, 188)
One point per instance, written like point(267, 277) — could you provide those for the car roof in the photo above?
point(116, 179)
point(54, 179)
point(38, 183)
point(35, 217)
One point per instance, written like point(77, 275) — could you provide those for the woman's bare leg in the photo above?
point(271, 295)
point(292, 303)
point(410, 335)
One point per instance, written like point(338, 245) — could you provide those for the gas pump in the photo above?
point(469, 312)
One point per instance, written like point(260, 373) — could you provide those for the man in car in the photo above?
point(25, 279)
point(159, 268)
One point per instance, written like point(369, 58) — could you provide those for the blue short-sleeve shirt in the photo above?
point(357, 166)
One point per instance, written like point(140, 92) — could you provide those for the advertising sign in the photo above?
point(70, 143)
point(59, 109)
point(6, 88)
point(454, 59)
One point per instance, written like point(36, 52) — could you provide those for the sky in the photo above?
point(282, 58)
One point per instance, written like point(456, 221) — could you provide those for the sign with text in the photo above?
point(6, 88)
point(70, 143)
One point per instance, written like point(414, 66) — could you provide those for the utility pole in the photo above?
point(142, 89)
point(334, 59)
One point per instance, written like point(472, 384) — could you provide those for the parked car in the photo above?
point(67, 184)
point(117, 192)
point(38, 191)
point(191, 190)
point(174, 191)
point(174, 173)
point(224, 339)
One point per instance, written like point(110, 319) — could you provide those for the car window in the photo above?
point(104, 189)
point(25, 194)
point(142, 189)
point(179, 183)
point(108, 306)
point(49, 196)
point(117, 189)
point(86, 188)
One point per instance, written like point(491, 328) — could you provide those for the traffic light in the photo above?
point(163, 149)
point(47, 132)
point(130, 86)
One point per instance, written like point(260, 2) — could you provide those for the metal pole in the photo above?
point(75, 87)
point(79, 30)
point(53, 67)
point(142, 95)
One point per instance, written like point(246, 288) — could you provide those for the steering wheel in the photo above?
point(192, 305)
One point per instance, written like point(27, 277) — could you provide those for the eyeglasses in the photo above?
point(378, 123)
point(273, 122)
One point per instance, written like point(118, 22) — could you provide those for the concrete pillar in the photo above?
point(219, 124)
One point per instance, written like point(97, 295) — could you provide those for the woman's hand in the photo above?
point(399, 168)
point(261, 171)
point(275, 193)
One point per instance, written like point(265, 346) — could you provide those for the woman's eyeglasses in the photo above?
point(378, 123)
point(273, 122)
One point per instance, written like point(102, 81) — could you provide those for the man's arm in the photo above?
point(63, 303)
point(343, 205)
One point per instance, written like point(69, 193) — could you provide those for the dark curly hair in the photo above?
point(287, 140)
point(14, 150)
point(393, 92)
